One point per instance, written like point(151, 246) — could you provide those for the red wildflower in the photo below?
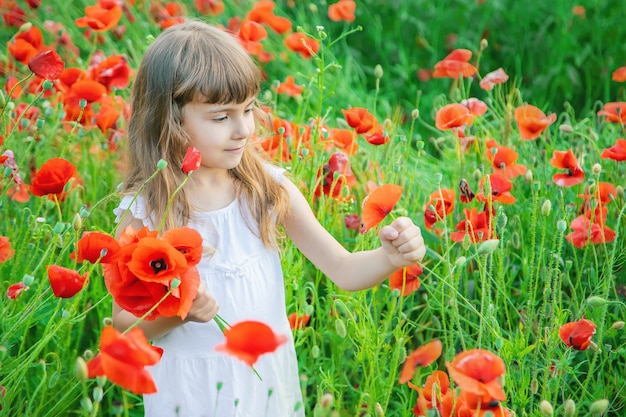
point(6, 252)
point(187, 241)
point(16, 289)
point(112, 72)
point(378, 204)
point(247, 340)
point(566, 160)
point(263, 12)
point(455, 65)
point(439, 205)
point(336, 174)
point(52, 177)
point(65, 282)
point(585, 232)
point(478, 372)
point(344, 139)
point(476, 225)
point(342, 10)
point(377, 135)
point(616, 152)
point(210, 7)
point(250, 34)
point(531, 121)
point(289, 87)
point(619, 74)
point(360, 119)
point(466, 195)
point(123, 358)
point(101, 17)
point(298, 321)
point(406, 279)
point(577, 334)
point(503, 160)
point(476, 106)
point(500, 187)
point(614, 112)
point(432, 394)
point(493, 78)
point(453, 116)
point(302, 44)
point(422, 357)
point(95, 247)
point(47, 64)
point(192, 160)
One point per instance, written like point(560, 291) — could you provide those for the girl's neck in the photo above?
point(209, 191)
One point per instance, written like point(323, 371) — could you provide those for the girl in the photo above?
point(196, 86)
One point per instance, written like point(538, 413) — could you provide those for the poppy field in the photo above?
point(511, 161)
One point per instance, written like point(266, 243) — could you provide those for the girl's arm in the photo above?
point(203, 308)
point(401, 245)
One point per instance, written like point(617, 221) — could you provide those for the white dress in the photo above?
point(192, 379)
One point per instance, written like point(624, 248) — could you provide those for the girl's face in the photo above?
point(219, 131)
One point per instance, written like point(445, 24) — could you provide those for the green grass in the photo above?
point(511, 302)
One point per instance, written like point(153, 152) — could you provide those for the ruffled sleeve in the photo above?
point(136, 209)
point(276, 172)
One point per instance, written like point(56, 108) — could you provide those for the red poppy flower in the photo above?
point(615, 112)
point(123, 358)
point(476, 106)
point(503, 160)
point(65, 282)
point(493, 78)
point(210, 7)
point(95, 247)
point(52, 177)
point(453, 116)
point(478, 372)
point(531, 121)
point(302, 44)
point(406, 279)
point(250, 34)
point(440, 204)
point(378, 204)
point(263, 12)
point(360, 119)
point(16, 289)
point(344, 139)
point(342, 10)
point(376, 136)
point(500, 187)
point(603, 193)
point(577, 334)
point(101, 17)
point(337, 174)
point(112, 72)
point(476, 225)
point(585, 232)
point(466, 195)
point(422, 357)
point(139, 278)
point(187, 241)
point(432, 394)
point(192, 160)
point(566, 160)
point(619, 74)
point(469, 404)
point(289, 87)
point(6, 252)
point(298, 321)
point(616, 152)
point(13, 15)
point(47, 64)
point(247, 340)
point(455, 65)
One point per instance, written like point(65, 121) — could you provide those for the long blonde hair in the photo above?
point(188, 62)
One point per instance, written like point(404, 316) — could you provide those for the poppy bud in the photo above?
point(28, 280)
point(477, 175)
point(88, 355)
point(315, 351)
point(98, 394)
point(545, 208)
point(596, 169)
point(546, 408)
point(619, 190)
point(175, 283)
point(565, 128)
point(460, 261)
point(162, 164)
point(86, 404)
point(340, 328)
point(599, 407)
point(40, 123)
point(438, 177)
point(488, 247)
point(561, 226)
point(77, 222)
point(618, 325)
point(47, 84)
point(304, 152)
point(528, 176)
point(534, 386)
point(569, 408)
point(107, 321)
point(415, 113)
point(595, 301)
point(466, 242)
point(536, 186)
point(25, 27)
point(379, 410)
point(501, 220)
point(327, 400)
point(378, 71)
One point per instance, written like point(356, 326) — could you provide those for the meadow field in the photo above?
point(497, 126)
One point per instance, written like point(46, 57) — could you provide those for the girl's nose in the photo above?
point(242, 129)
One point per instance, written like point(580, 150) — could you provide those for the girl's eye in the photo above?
point(220, 119)
point(249, 110)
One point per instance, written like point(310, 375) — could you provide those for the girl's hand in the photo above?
point(403, 243)
point(204, 306)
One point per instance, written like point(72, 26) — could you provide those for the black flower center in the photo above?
point(158, 265)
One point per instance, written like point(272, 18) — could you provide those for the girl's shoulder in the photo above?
point(135, 206)
point(276, 172)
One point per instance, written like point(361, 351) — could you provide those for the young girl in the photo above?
point(196, 86)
